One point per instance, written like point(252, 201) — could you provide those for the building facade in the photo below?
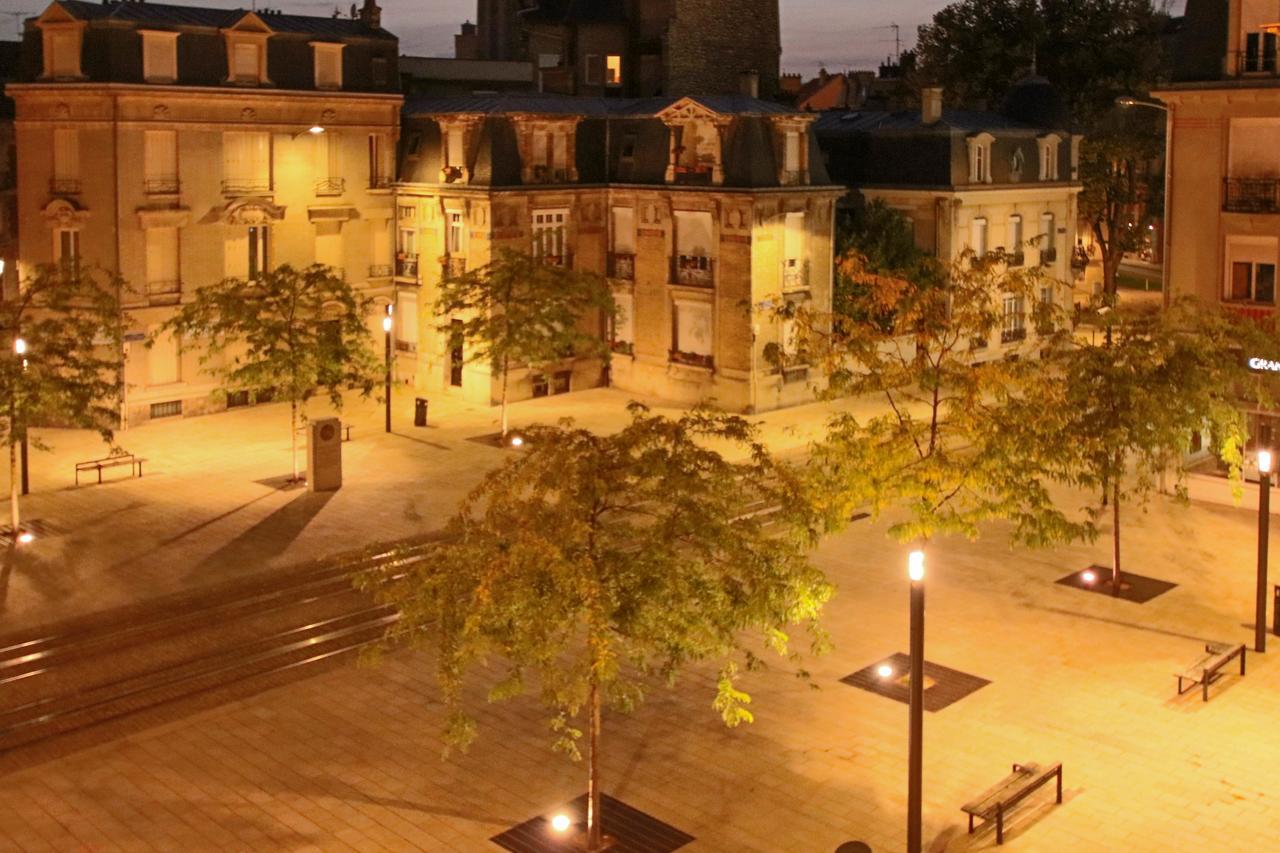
point(175, 146)
point(968, 180)
point(702, 212)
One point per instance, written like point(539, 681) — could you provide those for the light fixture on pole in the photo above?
point(915, 571)
point(386, 329)
point(1264, 528)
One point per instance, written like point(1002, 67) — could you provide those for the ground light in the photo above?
point(26, 537)
point(1088, 576)
point(560, 823)
point(884, 671)
point(515, 440)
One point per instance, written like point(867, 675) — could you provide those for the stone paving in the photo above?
point(351, 759)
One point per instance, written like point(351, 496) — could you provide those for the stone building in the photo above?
point(970, 180)
point(635, 48)
point(178, 145)
point(702, 212)
point(1223, 167)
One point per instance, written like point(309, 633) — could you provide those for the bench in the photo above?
point(1208, 668)
point(999, 798)
point(134, 463)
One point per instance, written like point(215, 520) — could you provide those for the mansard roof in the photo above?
point(170, 15)
point(572, 105)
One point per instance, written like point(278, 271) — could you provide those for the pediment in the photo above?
point(250, 23)
point(64, 213)
point(687, 108)
point(246, 211)
point(56, 13)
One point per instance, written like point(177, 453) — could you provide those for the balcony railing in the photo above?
point(164, 292)
point(795, 275)
point(407, 266)
point(381, 270)
point(1008, 336)
point(693, 270)
point(622, 265)
point(406, 346)
point(1048, 255)
point(694, 175)
point(245, 186)
point(1251, 195)
point(452, 267)
point(1015, 259)
point(379, 182)
point(1255, 63)
point(331, 186)
point(64, 186)
point(692, 359)
point(162, 186)
point(562, 260)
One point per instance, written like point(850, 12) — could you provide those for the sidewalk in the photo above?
point(210, 507)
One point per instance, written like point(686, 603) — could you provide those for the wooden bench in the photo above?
point(1208, 668)
point(134, 463)
point(999, 798)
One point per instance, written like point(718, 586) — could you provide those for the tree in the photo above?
point(1134, 399)
point(63, 335)
point(884, 240)
point(518, 309)
point(289, 333)
point(956, 445)
point(597, 563)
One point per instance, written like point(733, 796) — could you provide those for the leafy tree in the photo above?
point(1132, 401)
point(68, 371)
point(879, 240)
point(956, 445)
point(518, 309)
point(290, 333)
point(595, 564)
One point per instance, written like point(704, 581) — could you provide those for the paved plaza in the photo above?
point(351, 759)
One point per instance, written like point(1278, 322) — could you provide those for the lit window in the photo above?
point(980, 158)
point(1049, 158)
point(159, 56)
point(613, 70)
point(1013, 326)
point(328, 65)
point(549, 235)
point(66, 247)
point(978, 236)
point(455, 234)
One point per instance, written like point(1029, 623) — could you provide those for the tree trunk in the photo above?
point(1115, 537)
point(506, 364)
point(14, 476)
point(595, 832)
point(293, 435)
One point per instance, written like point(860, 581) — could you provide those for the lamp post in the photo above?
point(915, 571)
point(1264, 526)
point(20, 352)
point(386, 329)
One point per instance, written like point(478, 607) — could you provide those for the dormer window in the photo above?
point(328, 65)
point(980, 158)
point(550, 154)
point(246, 63)
point(247, 51)
point(159, 56)
point(63, 36)
point(613, 70)
point(1049, 157)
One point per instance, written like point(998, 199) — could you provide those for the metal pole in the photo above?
point(388, 379)
point(1264, 519)
point(26, 486)
point(916, 745)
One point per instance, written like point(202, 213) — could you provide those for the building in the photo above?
point(10, 65)
point(634, 48)
point(1223, 168)
point(430, 75)
point(702, 211)
point(178, 145)
point(970, 180)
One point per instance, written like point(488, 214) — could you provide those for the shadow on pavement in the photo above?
point(268, 538)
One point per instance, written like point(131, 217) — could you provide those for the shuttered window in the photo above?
point(692, 327)
point(162, 259)
point(66, 154)
point(695, 234)
point(328, 58)
point(624, 230)
point(245, 67)
point(159, 57)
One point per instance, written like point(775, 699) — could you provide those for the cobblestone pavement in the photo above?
point(351, 759)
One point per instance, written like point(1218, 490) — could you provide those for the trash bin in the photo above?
point(1275, 610)
point(419, 411)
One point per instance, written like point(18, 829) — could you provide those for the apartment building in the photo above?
point(177, 145)
point(703, 212)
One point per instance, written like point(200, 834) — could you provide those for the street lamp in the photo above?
point(386, 329)
point(915, 571)
point(1264, 526)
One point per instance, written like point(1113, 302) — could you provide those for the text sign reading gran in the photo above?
point(1264, 365)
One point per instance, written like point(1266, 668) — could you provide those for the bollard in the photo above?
point(419, 412)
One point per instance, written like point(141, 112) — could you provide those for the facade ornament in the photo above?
point(248, 113)
point(62, 111)
point(160, 111)
point(328, 116)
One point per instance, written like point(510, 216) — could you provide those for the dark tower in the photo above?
point(496, 26)
point(714, 47)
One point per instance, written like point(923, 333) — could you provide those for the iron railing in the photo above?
point(795, 275)
point(407, 265)
point(381, 270)
point(64, 186)
point(164, 292)
point(1251, 195)
point(245, 186)
point(692, 359)
point(1008, 336)
point(168, 185)
point(693, 270)
point(622, 265)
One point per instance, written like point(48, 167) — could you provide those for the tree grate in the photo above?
point(41, 528)
point(632, 830)
point(1136, 588)
point(943, 686)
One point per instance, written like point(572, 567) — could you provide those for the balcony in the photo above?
point(407, 265)
point(331, 186)
point(245, 186)
point(795, 275)
point(1048, 256)
point(380, 182)
point(406, 346)
point(452, 267)
point(1009, 336)
point(622, 265)
point(381, 270)
point(1254, 63)
point(64, 186)
point(693, 270)
point(697, 176)
point(1015, 259)
point(563, 260)
point(691, 359)
point(164, 292)
point(1251, 195)
point(168, 185)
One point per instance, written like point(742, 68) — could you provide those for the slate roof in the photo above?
point(594, 107)
point(836, 123)
point(199, 16)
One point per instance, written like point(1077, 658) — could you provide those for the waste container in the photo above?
point(1275, 610)
point(419, 411)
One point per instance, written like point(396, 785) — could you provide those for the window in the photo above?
point(406, 317)
point(66, 248)
point(246, 252)
point(1049, 158)
point(1251, 270)
point(455, 157)
point(160, 161)
point(1013, 327)
point(613, 70)
point(455, 233)
point(791, 152)
point(381, 254)
point(549, 235)
point(793, 251)
point(691, 340)
point(548, 60)
point(328, 65)
point(164, 360)
point(1048, 239)
point(1260, 52)
point(62, 51)
point(379, 67)
point(624, 324)
point(171, 409)
point(407, 253)
point(980, 158)
point(1013, 240)
point(246, 163)
point(409, 242)
point(328, 170)
point(162, 262)
point(623, 231)
point(591, 74)
point(246, 62)
point(329, 247)
point(978, 236)
point(66, 160)
point(549, 156)
point(159, 56)
point(379, 176)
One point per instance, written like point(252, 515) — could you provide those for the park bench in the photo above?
point(1208, 668)
point(112, 461)
point(999, 798)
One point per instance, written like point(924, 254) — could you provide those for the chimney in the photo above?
point(930, 104)
point(749, 83)
point(371, 14)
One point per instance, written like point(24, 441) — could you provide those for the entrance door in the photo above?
point(455, 354)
